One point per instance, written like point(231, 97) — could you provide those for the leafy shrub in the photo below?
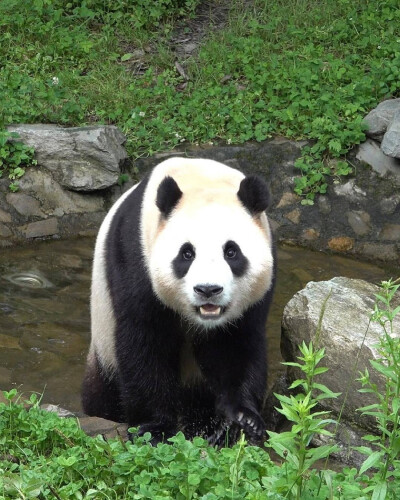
point(14, 156)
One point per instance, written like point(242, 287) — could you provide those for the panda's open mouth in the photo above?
point(210, 311)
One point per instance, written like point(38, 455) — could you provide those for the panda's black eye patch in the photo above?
point(183, 260)
point(235, 258)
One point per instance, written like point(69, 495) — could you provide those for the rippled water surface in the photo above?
point(44, 311)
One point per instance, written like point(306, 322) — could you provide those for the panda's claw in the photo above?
point(251, 423)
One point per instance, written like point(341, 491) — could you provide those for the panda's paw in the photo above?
point(251, 422)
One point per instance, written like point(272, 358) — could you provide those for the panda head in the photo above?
point(211, 257)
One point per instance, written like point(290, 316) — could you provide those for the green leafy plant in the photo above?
point(294, 445)
point(384, 452)
point(312, 73)
point(14, 157)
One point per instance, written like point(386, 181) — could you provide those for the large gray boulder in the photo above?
point(380, 117)
point(80, 158)
point(391, 140)
point(346, 333)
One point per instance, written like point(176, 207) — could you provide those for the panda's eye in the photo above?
point(188, 254)
point(230, 253)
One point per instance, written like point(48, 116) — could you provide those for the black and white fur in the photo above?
point(183, 277)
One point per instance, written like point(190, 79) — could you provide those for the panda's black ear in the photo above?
point(168, 195)
point(254, 194)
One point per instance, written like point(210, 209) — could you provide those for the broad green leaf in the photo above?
point(371, 461)
point(379, 492)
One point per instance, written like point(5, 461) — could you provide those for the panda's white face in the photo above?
point(212, 261)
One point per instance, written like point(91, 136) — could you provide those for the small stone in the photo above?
point(24, 204)
point(391, 140)
point(380, 251)
point(58, 212)
point(310, 234)
point(61, 412)
point(388, 205)
point(119, 432)
point(341, 244)
point(4, 216)
point(294, 216)
point(359, 222)
point(390, 232)
point(46, 227)
point(188, 48)
point(369, 152)
point(5, 232)
point(324, 205)
point(287, 199)
point(96, 425)
point(350, 190)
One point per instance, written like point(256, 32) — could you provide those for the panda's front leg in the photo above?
point(151, 405)
point(235, 368)
point(149, 383)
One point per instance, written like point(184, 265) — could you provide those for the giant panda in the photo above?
point(183, 277)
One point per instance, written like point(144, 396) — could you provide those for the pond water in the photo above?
point(44, 311)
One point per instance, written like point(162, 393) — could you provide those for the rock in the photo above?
point(39, 229)
point(324, 205)
point(294, 216)
point(350, 190)
point(5, 232)
point(388, 205)
point(390, 232)
point(96, 425)
point(345, 333)
point(81, 159)
point(24, 204)
point(391, 140)
point(288, 199)
point(341, 244)
point(359, 222)
point(55, 200)
point(310, 234)
point(378, 251)
point(61, 412)
point(369, 152)
point(4, 216)
point(379, 118)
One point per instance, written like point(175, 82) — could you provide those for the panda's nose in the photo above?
point(208, 290)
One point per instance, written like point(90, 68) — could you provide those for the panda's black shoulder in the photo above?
point(123, 236)
point(123, 250)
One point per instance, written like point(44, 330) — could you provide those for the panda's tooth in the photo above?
point(206, 312)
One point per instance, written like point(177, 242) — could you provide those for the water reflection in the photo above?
point(44, 311)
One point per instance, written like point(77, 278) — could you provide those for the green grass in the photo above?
point(45, 457)
point(304, 69)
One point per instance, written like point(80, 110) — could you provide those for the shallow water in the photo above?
point(44, 311)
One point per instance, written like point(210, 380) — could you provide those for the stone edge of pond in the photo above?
point(65, 197)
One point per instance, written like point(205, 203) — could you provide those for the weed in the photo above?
point(293, 445)
point(384, 452)
point(14, 157)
